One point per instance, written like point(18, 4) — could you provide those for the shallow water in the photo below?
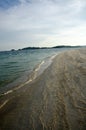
point(16, 65)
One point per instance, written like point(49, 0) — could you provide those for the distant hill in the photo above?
point(32, 48)
point(26, 48)
point(62, 46)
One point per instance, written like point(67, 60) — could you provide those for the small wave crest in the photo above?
point(38, 70)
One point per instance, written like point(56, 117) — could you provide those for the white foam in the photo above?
point(53, 56)
point(39, 66)
point(10, 91)
point(4, 104)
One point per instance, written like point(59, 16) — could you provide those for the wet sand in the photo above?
point(55, 100)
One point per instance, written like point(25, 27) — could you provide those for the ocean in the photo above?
point(16, 66)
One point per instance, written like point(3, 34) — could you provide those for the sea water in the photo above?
point(15, 66)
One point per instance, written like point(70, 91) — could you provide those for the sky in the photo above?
point(42, 23)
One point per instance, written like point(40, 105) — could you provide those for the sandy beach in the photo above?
point(55, 100)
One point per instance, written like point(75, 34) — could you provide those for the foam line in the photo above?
point(4, 104)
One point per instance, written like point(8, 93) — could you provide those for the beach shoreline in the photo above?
point(54, 100)
point(37, 71)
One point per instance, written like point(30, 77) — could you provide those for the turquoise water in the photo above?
point(17, 64)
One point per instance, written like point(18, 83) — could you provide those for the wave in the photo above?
point(37, 71)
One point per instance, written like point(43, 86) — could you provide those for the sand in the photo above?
point(55, 100)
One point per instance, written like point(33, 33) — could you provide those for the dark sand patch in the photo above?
point(56, 100)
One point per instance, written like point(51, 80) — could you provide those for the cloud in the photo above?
point(5, 4)
point(43, 22)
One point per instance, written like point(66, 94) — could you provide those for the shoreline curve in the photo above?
point(55, 100)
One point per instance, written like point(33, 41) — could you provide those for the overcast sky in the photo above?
point(26, 23)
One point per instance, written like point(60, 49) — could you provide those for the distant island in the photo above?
point(61, 46)
point(26, 48)
point(33, 48)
